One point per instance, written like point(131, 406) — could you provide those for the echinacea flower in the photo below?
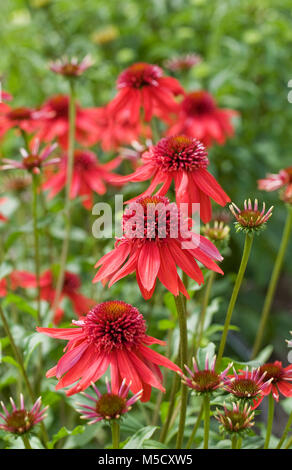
point(205, 380)
point(183, 62)
point(281, 180)
point(24, 118)
point(142, 86)
point(111, 334)
point(32, 161)
point(16, 181)
point(246, 385)
point(2, 217)
point(21, 420)
point(237, 420)
point(217, 231)
point(16, 279)
point(55, 123)
point(89, 176)
point(200, 117)
point(280, 379)
point(109, 405)
point(250, 219)
point(154, 243)
point(183, 160)
point(71, 67)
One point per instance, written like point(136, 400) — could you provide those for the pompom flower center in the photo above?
point(115, 325)
point(20, 421)
point(110, 406)
point(273, 371)
point(84, 160)
point(19, 114)
point(198, 103)
point(244, 388)
point(140, 75)
point(205, 380)
point(179, 153)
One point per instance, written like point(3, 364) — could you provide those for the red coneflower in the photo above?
point(200, 117)
point(16, 279)
point(108, 405)
point(280, 379)
point(88, 176)
point(20, 420)
point(237, 420)
point(112, 333)
point(143, 86)
point(280, 180)
point(248, 385)
point(24, 118)
point(71, 67)
point(250, 218)
point(55, 124)
point(184, 160)
point(153, 245)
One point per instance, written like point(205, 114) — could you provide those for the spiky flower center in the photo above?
point(115, 325)
point(19, 114)
point(69, 69)
point(110, 406)
point(179, 153)
point(205, 380)
point(218, 232)
point(235, 420)
point(244, 388)
point(273, 371)
point(20, 421)
point(198, 103)
point(84, 160)
point(32, 161)
point(140, 75)
point(250, 218)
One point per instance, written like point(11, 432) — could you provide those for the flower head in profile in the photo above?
point(281, 378)
point(183, 62)
point(251, 386)
point(281, 180)
point(109, 405)
point(21, 420)
point(23, 118)
point(200, 117)
point(71, 67)
point(250, 219)
point(154, 244)
point(235, 420)
point(205, 380)
point(183, 160)
point(32, 161)
point(111, 334)
point(143, 86)
point(216, 232)
point(89, 176)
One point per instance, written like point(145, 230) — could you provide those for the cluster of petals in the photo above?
point(248, 385)
point(237, 419)
point(182, 62)
point(71, 67)
point(250, 218)
point(205, 380)
point(20, 420)
point(24, 118)
point(281, 378)
point(274, 181)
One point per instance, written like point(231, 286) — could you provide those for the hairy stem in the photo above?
point(206, 420)
point(116, 434)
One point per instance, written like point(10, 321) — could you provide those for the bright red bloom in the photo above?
point(154, 243)
point(281, 378)
point(200, 117)
point(2, 217)
point(55, 124)
point(111, 334)
point(23, 118)
point(143, 86)
point(280, 180)
point(183, 160)
point(88, 176)
point(14, 280)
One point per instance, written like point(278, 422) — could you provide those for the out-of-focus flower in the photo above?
point(281, 378)
point(26, 119)
point(183, 160)
point(183, 62)
point(134, 154)
point(250, 219)
point(237, 420)
point(2, 217)
point(105, 35)
point(20, 420)
point(281, 180)
point(216, 231)
point(200, 117)
point(55, 123)
point(112, 333)
point(206, 380)
point(142, 86)
point(16, 181)
point(5, 96)
point(108, 405)
point(153, 246)
point(248, 385)
point(33, 161)
point(15, 280)
point(71, 67)
point(89, 176)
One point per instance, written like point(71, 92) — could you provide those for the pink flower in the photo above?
point(20, 420)
point(71, 67)
point(280, 180)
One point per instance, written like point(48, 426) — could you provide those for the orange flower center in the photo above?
point(110, 406)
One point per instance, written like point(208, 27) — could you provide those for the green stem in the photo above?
point(116, 434)
point(196, 427)
point(273, 282)
point(286, 430)
point(289, 443)
point(182, 319)
point(171, 406)
point(239, 278)
point(204, 309)
point(36, 243)
point(70, 166)
point(270, 420)
point(26, 441)
point(206, 420)
point(234, 442)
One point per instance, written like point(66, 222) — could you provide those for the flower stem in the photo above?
point(273, 282)
point(36, 243)
point(286, 430)
point(171, 406)
point(270, 420)
point(116, 434)
point(70, 165)
point(239, 278)
point(204, 309)
point(206, 420)
point(196, 427)
point(26, 441)
point(182, 319)
point(234, 442)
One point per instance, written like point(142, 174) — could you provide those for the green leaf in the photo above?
point(166, 324)
point(138, 439)
point(10, 360)
point(20, 303)
point(170, 303)
point(202, 353)
point(64, 432)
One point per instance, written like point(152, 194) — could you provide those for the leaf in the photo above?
point(202, 353)
point(10, 360)
point(166, 324)
point(138, 439)
point(170, 303)
point(20, 303)
point(64, 432)
point(31, 343)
